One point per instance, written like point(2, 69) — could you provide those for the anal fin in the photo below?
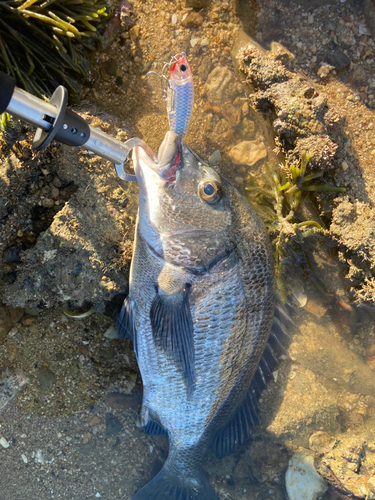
point(126, 323)
point(152, 428)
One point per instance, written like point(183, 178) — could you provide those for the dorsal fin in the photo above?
point(237, 430)
point(172, 329)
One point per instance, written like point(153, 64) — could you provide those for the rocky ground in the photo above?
point(66, 232)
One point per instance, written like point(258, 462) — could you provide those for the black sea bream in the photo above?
point(200, 310)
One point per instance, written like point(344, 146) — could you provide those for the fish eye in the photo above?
point(183, 68)
point(210, 191)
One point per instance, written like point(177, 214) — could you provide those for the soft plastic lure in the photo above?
point(177, 91)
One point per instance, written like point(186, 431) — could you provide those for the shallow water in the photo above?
point(77, 436)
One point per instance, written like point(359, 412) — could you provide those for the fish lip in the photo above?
point(166, 165)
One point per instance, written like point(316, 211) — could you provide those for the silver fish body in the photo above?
point(200, 310)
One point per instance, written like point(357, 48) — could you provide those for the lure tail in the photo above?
point(177, 484)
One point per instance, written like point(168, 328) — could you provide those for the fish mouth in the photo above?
point(167, 162)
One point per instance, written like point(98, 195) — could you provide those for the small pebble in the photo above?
point(4, 443)
point(24, 458)
point(321, 442)
point(111, 333)
point(215, 158)
point(301, 479)
point(174, 19)
point(47, 202)
point(344, 165)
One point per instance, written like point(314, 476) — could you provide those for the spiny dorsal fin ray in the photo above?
point(237, 430)
point(172, 329)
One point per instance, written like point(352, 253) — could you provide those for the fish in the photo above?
point(177, 92)
point(201, 312)
point(180, 95)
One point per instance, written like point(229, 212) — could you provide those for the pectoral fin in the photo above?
point(172, 329)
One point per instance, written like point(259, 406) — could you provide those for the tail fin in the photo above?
point(167, 486)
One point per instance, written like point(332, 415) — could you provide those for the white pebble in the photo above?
point(301, 479)
point(310, 19)
point(215, 158)
point(98, 495)
point(194, 42)
point(111, 333)
point(4, 443)
point(174, 18)
point(24, 458)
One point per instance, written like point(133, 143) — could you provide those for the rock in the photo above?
point(325, 70)
point(205, 67)
point(5, 322)
point(120, 401)
point(197, 4)
point(57, 182)
point(301, 479)
point(4, 443)
point(248, 128)
point(245, 109)
point(111, 67)
point(111, 333)
point(94, 421)
point(352, 460)
point(315, 307)
point(192, 20)
point(231, 114)
point(47, 202)
point(11, 254)
point(215, 158)
point(369, 11)
point(113, 425)
point(28, 320)
point(134, 32)
point(220, 86)
point(337, 59)
point(83, 348)
point(321, 442)
point(46, 378)
point(106, 352)
point(248, 152)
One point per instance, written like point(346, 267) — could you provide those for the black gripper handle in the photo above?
point(6, 90)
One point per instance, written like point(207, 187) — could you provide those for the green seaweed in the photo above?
point(277, 198)
point(44, 43)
